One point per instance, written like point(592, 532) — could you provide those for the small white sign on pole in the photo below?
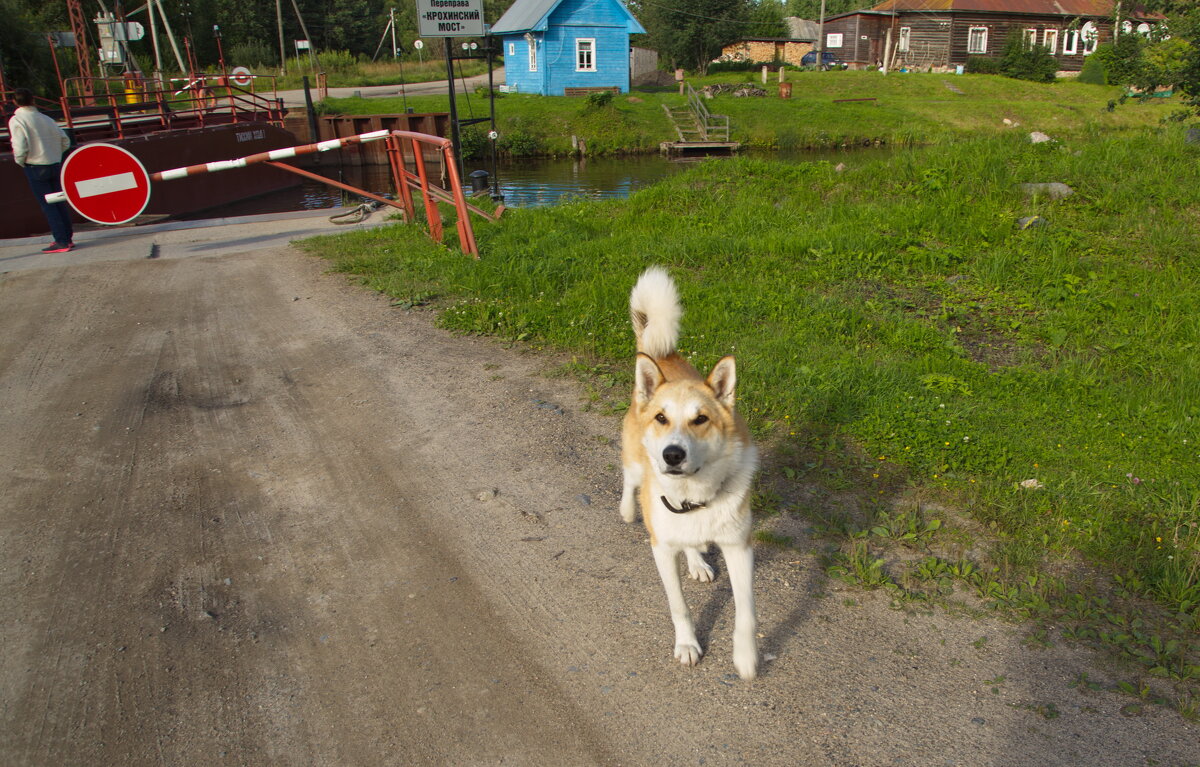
point(450, 18)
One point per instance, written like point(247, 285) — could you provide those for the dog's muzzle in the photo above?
point(673, 456)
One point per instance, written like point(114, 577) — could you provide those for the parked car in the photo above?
point(828, 60)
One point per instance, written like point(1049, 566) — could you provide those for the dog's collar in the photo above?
point(685, 506)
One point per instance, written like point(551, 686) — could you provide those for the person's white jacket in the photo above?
point(36, 139)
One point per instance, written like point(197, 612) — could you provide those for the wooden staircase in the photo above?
point(699, 131)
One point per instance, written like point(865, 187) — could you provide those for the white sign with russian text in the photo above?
point(450, 18)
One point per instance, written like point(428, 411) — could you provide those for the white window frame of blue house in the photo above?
point(977, 40)
point(585, 54)
point(512, 49)
point(533, 55)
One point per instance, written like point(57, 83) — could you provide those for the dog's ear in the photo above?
point(647, 379)
point(722, 380)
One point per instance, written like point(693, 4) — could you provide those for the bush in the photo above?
point(598, 100)
point(734, 66)
point(337, 61)
point(1122, 60)
point(982, 65)
point(518, 143)
point(1027, 62)
point(1093, 72)
point(253, 55)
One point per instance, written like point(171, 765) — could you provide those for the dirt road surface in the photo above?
point(251, 514)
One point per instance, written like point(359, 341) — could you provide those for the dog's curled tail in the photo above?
point(654, 311)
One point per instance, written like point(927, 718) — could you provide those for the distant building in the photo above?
point(942, 33)
point(557, 47)
point(769, 50)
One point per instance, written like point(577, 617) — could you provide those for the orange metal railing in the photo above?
point(400, 145)
point(117, 107)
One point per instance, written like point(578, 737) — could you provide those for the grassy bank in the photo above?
point(960, 405)
point(907, 109)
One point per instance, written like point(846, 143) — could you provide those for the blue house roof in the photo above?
point(534, 15)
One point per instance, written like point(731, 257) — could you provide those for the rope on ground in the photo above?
point(357, 215)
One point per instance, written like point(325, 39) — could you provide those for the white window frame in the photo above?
point(1050, 39)
point(1030, 38)
point(1070, 42)
point(512, 49)
point(590, 64)
point(533, 63)
point(905, 40)
point(834, 40)
point(982, 48)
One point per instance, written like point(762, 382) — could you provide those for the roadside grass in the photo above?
point(965, 412)
point(908, 109)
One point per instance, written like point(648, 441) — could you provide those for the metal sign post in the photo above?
point(449, 19)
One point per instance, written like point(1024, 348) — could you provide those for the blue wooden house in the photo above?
point(566, 47)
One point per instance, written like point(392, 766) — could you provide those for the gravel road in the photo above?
point(252, 514)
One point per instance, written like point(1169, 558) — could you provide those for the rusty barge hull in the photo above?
point(21, 216)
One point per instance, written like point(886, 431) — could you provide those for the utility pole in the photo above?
point(282, 49)
point(392, 24)
point(821, 34)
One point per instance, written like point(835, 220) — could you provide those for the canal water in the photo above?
point(526, 183)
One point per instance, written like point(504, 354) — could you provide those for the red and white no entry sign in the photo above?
point(105, 183)
point(241, 77)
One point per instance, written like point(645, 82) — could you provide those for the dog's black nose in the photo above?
point(674, 455)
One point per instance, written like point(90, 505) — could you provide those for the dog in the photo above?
point(689, 461)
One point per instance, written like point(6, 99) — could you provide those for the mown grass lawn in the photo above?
point(908, 108)
point(959, 405)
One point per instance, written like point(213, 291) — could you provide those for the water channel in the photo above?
point(526, 183)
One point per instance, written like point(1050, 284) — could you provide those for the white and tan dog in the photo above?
point(690, 454)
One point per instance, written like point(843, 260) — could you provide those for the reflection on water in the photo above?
point(525, 183)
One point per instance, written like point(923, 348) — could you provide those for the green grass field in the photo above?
point(908, 109)
point(966, 411)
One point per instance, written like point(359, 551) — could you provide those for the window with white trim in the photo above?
point(1050, 39)
point(905, 37)
point(512, 49)
point(1070, 41)
point(1030, 38)
point(532, 43)
point(977, 40)
point(585, 54)
point(833, 40)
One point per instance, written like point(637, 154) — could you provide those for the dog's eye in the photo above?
point(700, 419)
point(660, 418)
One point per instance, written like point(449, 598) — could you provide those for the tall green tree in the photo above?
point(766, 19)
point(691, 33)
point(811, 9)
point(1174, 59)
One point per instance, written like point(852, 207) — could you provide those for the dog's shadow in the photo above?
point(720, 598)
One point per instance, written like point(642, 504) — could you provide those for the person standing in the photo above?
point(38, 145)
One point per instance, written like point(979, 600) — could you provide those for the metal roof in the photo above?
point(523, 16)
point(531, 15)
point(1053, 7)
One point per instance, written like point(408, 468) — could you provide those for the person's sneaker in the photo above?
point(59, 247)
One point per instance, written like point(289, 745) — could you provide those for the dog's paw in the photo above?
point(628, 509)
point(698, 569)
point(746, 662)
point(688, 653)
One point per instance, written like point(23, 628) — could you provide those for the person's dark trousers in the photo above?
point(44, 180)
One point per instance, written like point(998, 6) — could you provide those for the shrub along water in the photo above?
point(899, 336)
